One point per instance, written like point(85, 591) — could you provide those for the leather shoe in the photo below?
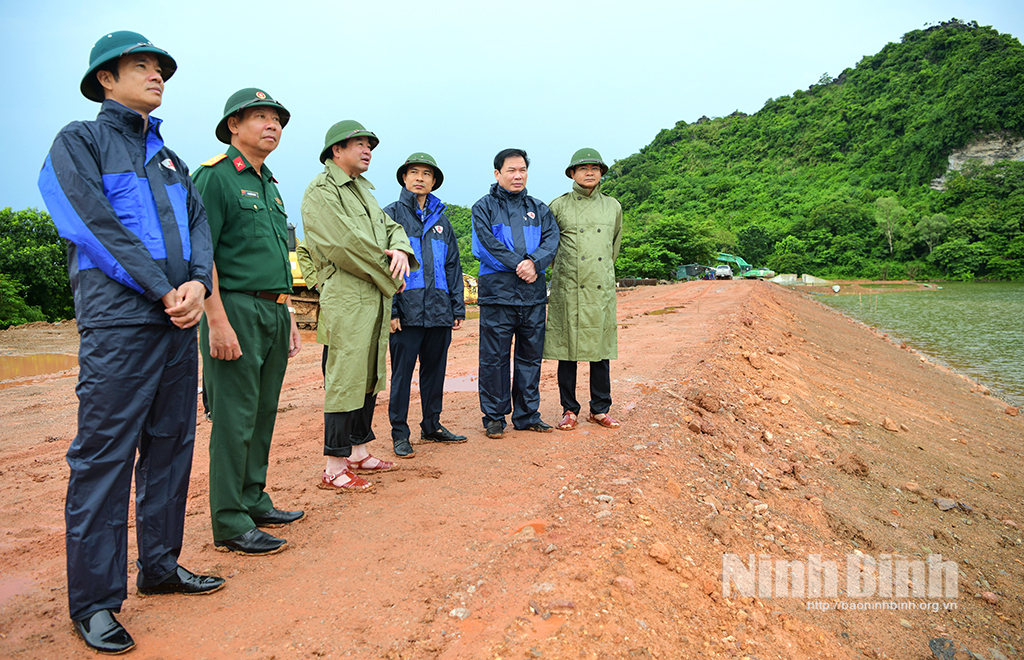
point(101, 632)
point(180, 581)
point(495, 429)
point(443, 435)
point(404, 449)
point(253, 542)
point(539, 427)
point(278, 518)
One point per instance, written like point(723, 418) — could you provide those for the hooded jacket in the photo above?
point(507, 228)
point(433, 295)
point(135, 225)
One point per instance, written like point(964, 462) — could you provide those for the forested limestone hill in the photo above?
point(834, 180)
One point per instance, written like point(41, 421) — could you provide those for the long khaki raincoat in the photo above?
point(346, 233)
point(581, 323)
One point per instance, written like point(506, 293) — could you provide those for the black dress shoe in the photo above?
point(278, 518)
point(538, 427)
point(180, 581)
point(404, 449)
point(101, 632)
point(253, 542)
point(495, 429)
point(443, 435)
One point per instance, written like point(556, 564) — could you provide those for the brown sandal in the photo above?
point(568, 422)
point(355, 484)
point(382, 465)
point(607, 421)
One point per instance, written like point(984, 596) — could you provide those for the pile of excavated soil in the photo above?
point(758, 425)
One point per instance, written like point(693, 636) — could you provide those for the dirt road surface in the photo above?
point(754, 426)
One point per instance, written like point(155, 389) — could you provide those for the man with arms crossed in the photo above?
point(140, 263)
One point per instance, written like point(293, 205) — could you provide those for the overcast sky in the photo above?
point(460, 80)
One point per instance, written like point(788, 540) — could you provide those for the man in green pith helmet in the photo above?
point(581, 325)
point(431, 306)
point(362, 258)
point(249, 331)
point(139, 261)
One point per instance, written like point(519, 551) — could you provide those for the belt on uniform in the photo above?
point(279, 298)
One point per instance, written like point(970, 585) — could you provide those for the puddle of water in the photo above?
point(658, 312)
point(23, 366)
point(472, 312)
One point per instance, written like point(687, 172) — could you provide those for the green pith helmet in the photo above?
point(344, 130)
point(586, 156)
point(250, 97)
point(111, 47)
point(423, 159)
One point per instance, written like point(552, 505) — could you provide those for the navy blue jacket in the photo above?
point(433, 295)
point(508, 228)
point(135, 225)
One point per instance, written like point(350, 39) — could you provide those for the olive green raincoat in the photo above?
point(346, 233)
point(581, 323)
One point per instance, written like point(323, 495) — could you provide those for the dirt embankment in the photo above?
point(754, 425)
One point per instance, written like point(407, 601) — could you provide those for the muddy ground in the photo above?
point(753, 425)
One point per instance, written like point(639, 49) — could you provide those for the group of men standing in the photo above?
point(150, 248)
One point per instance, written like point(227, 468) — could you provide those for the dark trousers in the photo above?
point(137, 394)
point(344, 429)
point(499, 324)
point(600, 386)
point(430, 345)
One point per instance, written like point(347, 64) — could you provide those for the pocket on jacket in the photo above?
point(250, 210)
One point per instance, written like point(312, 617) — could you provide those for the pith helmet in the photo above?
point(112, 46)
point(423, 159)
point(250, 97)
point(344, 130)
point(586, 156)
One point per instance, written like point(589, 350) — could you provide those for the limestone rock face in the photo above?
point(992, 148)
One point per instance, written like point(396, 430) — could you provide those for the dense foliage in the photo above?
point(462, 223)
point(834, 180)
point(33, 269)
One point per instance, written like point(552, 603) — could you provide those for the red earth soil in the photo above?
point(754, 424)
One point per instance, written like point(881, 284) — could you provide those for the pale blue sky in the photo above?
point(460, 80)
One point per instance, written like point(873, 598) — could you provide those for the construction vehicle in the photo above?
point(305, 301)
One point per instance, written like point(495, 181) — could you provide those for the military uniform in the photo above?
point(248, 225)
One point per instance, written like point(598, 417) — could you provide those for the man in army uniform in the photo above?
point(249, 332)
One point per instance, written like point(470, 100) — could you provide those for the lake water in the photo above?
point(976, 328)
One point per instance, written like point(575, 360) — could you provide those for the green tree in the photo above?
point(789, 256)
point(461, 218)
point(754, 244)
point(889, 216)
point(931, 229)
point(34, 257)
point(13, 308)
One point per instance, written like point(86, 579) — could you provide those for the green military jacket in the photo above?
point(581, 324)
point(248, 224)
point(346, 233)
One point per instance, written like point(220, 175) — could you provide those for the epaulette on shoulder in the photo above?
point(213, 161)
